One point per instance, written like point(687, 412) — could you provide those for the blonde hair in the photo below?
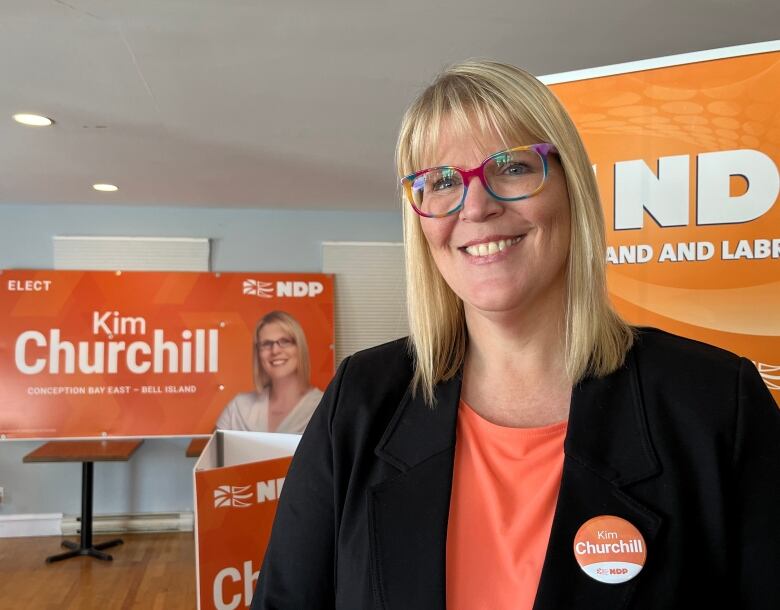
point(515, 105)
point(293, 328)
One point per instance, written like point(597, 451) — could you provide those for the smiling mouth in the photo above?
point(492, 247)
point(278, 362)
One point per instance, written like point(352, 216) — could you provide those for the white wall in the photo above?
point(159, 477)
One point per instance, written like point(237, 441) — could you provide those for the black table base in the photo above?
point(85, 546)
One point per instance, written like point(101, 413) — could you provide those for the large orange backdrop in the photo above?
point(92, 353)
point(686, 158)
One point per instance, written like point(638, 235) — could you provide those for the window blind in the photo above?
point(131, 253)
point(370, 289)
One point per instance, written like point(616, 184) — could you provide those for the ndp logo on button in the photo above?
point(295, 289)
point(613, 571)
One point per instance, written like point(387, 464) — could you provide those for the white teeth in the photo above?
point(492, 247)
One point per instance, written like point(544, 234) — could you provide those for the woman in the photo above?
point(458, 470)
point(285, 399)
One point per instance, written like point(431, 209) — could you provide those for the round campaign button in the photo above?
point(609, 549)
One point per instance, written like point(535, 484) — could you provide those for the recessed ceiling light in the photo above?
point(106, 188)
point(33, 120)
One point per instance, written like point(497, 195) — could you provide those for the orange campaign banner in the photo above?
point(686, 152)
point(115, 354)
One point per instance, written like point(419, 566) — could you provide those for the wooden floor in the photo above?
point(149, 571)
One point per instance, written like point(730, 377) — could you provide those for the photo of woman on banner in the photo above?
point(525, 447)
point(284, 399)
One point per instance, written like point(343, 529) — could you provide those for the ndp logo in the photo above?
point(233, 496)
point(612, 571)
point(268, 290)
point(244, 496)
point(258, 288)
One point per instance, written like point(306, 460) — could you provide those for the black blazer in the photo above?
point(683, 441)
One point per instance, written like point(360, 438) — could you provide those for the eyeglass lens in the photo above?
point(283, 343)
point(509, 175)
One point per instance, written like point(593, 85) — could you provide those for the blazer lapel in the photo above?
point(408, 513)
point(607, 448)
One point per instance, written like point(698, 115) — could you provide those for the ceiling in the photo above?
point(283, 104)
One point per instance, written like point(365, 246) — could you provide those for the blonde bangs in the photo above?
point(455, 99)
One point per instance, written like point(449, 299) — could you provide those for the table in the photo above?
point(196, 447)
point(86, 452)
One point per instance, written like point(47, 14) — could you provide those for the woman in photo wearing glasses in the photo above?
point(285, 399)
point(455, 469)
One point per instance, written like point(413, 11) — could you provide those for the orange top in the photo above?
point(504, 489)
